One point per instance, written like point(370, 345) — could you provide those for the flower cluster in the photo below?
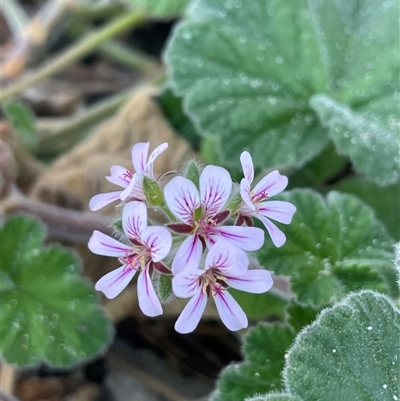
point(202, 246)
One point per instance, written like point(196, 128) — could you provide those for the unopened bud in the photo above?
point(152, 192)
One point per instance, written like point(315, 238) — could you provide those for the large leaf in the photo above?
point(370, 142)
point(333, 246)
point(264, 350)
point(48, 312)
point(247, 70)
point(160, 8)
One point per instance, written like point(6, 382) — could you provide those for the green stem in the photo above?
point(85, 46)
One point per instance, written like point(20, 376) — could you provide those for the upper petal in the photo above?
point(256, 281)
point(99, 201)
point(119, 176)
point(139, 156)
point(188, 255)
point(277, 236)
point(247, 166)
point(158, 240)
point(149, 303)
point(245, 193)
point(156, 152)
point(246, 238)
point(102, 244)
point(114, 282)
point(182, 198)
point(134, 220)
point(221, 256)
point(186, 284)
point(191, 314)
point(278, 210)
point(129, 189)
point(231, 313)
point(272, 184)
point(215, 188)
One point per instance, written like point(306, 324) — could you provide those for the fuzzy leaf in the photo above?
point(50, 313)
point(329, 243)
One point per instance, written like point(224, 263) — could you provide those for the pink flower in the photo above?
point(131, 182)
point(220, 272)
point(149, 245)
point(255, 202)
point(201, 211)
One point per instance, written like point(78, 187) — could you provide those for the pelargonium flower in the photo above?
point(149, 246)
point(256, 204)
point(131, 182)
point(220, 272)
point(201, 212)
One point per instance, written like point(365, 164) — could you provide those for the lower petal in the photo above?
point(246, 238)
point(148, 300)
point(101, 200)
point(256, 281)
point(278, 210)
point(191, 314)
point(277, 236)
point(102, 244)
point(231, 313)
point(115, 282)
point(128, 190)
point(188, 255)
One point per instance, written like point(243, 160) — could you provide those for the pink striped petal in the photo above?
point(149, 303)
point(115, 282)
point(191, 314)
point(158, 240)
point(221, 256)
point(134, 220)
point(246, 238)
point(188, 255)
point(187, 283)
point(255, 281)
point(231, 313)
point(139, 156)
point(182, 198)
point(245, 193)
point(215, 188)
point(101, 200)
point(241, 265)
point(278, 210)
point(247, 166)
point(156, 152)
point(129, 189)
point(272, 184)
point(119, 176)
point(102, 244)
point(277, 236)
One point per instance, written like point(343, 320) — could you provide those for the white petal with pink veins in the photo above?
point(256, 281)
point(101, 200)
point(158, 240)
point(188, 255)
point(134, 220)
point(215, 188)
point(247, 166)
point(191, 314)
point(246, 238)
point(156, 152)
point(278, 210)
point(129, 189)
point(102, 244)
point(245, 193)
point(277, 236)
point(221, 256)
point(149, 303)
point(119, 176)
point(231, 313)
point(139, 156)
point(272, 184)
point(182, 198)
point(114, 283)
point(187, 283)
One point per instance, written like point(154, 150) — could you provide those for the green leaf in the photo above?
point(299, 316)
point(247, 70)
point(385, 201)
point(351, 352)
point(264, 349)
point(193, 173)
point(165, 288)
point(397, 261)
point(160, 8)
point(23, 121)
point(50, 313)
point(370, 142)
point(274, 397)
point(329, 242)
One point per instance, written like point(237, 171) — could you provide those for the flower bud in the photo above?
point(152, 192)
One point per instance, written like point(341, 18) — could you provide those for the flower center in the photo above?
point(212, 281)
point(259, 196)
point(136, 259)
point(205, 227)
